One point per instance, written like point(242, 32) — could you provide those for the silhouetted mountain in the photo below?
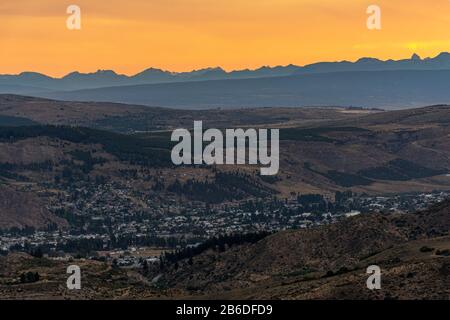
point(27, 82)
point(100, 78)
point(440, 62)
point(105, 78)
point(152, 75)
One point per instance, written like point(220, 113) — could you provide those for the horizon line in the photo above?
point(218, 67)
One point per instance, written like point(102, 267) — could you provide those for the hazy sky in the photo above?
point(180, 35)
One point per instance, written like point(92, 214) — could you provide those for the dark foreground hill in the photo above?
point(330, 262)
point(326, 262)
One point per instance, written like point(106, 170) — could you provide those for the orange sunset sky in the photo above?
point(180, 35)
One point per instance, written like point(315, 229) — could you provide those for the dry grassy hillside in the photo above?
point(100, 281)
point(128, 118)
point(21, 209)
point(380, 153)
point(330, 261)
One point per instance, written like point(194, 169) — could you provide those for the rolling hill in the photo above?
point(131, 118)
point(47, 158)
point(329, 262)
point(323, 150)
point(326, 262)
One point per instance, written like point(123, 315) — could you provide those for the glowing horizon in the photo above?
point(210, 67)
point(186, 35)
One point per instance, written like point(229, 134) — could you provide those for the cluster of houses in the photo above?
point(104, 211)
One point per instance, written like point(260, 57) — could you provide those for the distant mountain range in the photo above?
point(106, 78)
point(367, 82)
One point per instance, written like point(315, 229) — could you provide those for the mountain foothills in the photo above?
point(368, 82)
point(322, 151)
point(21, 111)
point(92, 184)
